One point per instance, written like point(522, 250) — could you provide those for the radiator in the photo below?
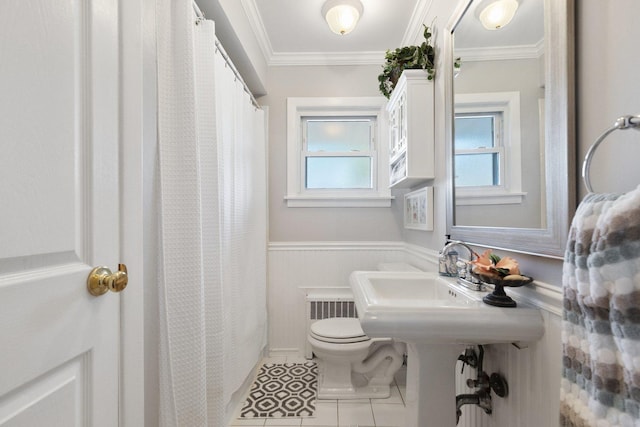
point(325, 303)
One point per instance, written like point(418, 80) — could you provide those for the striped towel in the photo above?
point(601, 322)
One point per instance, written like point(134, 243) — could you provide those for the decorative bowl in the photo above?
point(498, 297)
point(500, 281)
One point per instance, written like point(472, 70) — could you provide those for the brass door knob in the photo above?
point(101, 280)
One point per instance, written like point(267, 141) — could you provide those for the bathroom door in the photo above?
point(59, 345)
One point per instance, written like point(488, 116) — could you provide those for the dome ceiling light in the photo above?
point(497, 14)
point(342, 15)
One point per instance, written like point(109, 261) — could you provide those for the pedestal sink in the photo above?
point(436, 318)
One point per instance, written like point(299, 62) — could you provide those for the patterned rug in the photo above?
point(282, 390)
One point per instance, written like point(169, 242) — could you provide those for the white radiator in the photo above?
point(324, 303)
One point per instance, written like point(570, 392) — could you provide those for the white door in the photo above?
point(59, 345)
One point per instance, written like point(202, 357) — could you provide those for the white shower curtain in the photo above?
point(242, 226)
point(212, 217)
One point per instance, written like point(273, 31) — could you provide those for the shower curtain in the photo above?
point(212, 216)
point(242, 224)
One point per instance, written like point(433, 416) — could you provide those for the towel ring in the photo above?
point(624, 122)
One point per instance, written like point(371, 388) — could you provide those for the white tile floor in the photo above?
point(344, 413)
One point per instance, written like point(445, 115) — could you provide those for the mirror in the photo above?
point(510, 142)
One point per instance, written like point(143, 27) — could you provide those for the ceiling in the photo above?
point(522, 38)
point(294, 32)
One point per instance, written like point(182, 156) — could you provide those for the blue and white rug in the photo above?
point(282, 390)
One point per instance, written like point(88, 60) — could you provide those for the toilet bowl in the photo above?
point(352, 365)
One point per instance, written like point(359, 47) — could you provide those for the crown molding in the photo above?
point(326, 58)
point(281, 59)
point(418, 17)
point(498, 53)
point(259, 30)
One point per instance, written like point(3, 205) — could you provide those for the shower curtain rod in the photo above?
point(200, 17)
point(198, 12)
point(236, 73)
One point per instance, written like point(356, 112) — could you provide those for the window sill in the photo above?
point(338, 202)
point(481, 198)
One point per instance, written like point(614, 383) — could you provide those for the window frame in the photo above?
point(370, 153)
point(297, 194)
point(497, 148)
point(510, 189)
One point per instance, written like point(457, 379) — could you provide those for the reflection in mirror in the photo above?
point(510, 127)
point(499, 112)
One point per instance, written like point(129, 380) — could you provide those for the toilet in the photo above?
point(353, 365)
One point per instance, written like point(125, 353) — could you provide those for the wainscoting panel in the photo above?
point(532, 373)
point(299, 265)
point(533, 376)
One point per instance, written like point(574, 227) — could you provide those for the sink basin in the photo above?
point(436, 318)
point(426, 308)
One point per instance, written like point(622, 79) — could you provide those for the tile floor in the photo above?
point(344, 413)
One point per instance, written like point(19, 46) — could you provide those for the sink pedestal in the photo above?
point(431, 391)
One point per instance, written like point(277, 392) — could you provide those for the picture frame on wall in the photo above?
point(418, 209)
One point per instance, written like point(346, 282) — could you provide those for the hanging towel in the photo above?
point(601, 322)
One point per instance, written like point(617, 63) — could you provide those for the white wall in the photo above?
point(234, 31)
point(296, 266)
point(532, 373)
point(151, 328)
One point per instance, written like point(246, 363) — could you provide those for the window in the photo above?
point(336, 151)
point(479, 149)
point(487, 148)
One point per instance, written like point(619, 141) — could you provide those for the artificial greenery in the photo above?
point(407, 57)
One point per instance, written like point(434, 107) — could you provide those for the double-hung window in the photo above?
point(479, 156)
point(487, 149)
point(336, 151)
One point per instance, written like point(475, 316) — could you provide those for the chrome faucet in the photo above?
point(482, 398)
point(448, 265)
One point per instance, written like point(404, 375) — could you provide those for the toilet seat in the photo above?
point(339, 330)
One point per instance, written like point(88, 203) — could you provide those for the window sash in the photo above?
point(370, 154)
point(497, 147)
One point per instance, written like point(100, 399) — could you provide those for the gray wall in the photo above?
point(509, 76)
point(319, 224)
point(606, 87)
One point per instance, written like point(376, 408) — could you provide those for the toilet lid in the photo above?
point(340, 329)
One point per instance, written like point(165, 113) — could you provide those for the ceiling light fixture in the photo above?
point(342, 15)
point(497, 14)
